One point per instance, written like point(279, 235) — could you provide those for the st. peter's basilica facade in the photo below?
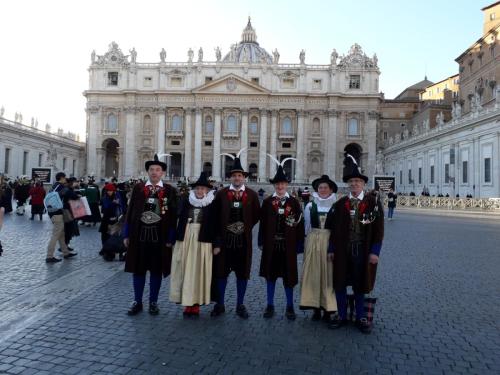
point(197, 110)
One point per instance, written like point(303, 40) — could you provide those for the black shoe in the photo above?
point(336, 323)
point(242, 312)
point(70, 248)
point(327, 317)
point(316, 316)
point(268, 312)
point(135, 308)
point(153, 308)
point(290, 313)
point(364, 326)
point(218, 310)
point(121, 257)
point(52, 260)
point(70, 255)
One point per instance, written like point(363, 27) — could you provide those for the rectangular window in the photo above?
point(410, 180)
point(64, 164)
point(401, 177)
point(7, 161)
point(253, 144)
point(288, 83)
point(432, 174)
point(25, 161)
point(446, 173)
point(176, 143)
point(487, 170)
point(286, 145)
point(40, 158)
point(148, 81)
point(255, 80)
point(385, 136)
point(112, 78)
point(208, 143)
point(316, 84)
point(420, 175)
point(354, 81)
point(176, 81)
point(465, 170)
point(73, 167)
point(208, 79)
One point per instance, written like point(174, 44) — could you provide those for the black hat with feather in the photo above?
point(352, 169)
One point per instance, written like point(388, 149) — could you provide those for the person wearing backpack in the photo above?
point(56, 216)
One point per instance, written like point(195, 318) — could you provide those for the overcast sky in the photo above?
point(45, 45)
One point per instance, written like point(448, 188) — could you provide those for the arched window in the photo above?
point(316, 130)
point(176, 123)
point(286, 126)
point(111, 124)
point(253, 127)
point(147, 124)
point(232, 127)
point(209, 125)
point(353, 127)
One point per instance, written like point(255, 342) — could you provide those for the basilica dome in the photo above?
point(248, 50)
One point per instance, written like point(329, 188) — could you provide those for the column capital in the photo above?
point(302, 112)
point(188, 110)
point(274, 112)
point(333, 113)
point(129, 109)
point(373, 115)
point(217, 110)
point(161, 109)
point(198, 110)
point(244, 111)
point(93, 109)
point(264, 111)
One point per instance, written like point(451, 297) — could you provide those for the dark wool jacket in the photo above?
point(207, 222)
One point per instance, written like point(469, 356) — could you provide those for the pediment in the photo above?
point(231, 84)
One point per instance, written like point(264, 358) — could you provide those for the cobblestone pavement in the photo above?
point(437, 312)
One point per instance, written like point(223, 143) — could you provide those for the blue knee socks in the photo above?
point(289, 297)
point(154, 287)
point(271, 286)
point(138, 281)
point(241, 288)
point(341, 303)
point(221, 289)
point(359, 303)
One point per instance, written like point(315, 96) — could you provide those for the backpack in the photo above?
point(53, 202)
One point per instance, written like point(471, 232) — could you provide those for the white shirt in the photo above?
point(360, 196)
point(149, 183)
point(242, 188)
point(285, 196)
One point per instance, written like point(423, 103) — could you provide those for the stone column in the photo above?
point(331, 145)
point(371, 137)
point(130, 144)
point(92, 131)
point(197, 143)
point(300, 164)
point(272, 142)
point(161, 131)
point(187, 142)
point(244, 138)
point(263, 146)
point(216, 161)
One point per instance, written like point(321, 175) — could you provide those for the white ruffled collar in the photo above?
point(203, 202)
point(324, 202)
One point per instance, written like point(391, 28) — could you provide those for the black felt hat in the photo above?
point(280, 176)
point(202, 181)
point(237, 167)
point(351, 169)
point(324, 179)
point(156, 161)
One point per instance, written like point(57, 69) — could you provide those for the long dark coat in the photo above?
point(294, 236)
point(251, 211)
point(132, 220)
point(372, 233)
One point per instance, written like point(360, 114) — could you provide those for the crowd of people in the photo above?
point(199, 234)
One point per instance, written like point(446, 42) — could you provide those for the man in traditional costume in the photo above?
point(93, 195)
point(237, 212)
point(191, 277)
point(281, 236)
point(149, 233)
point(316, 288)
point(357, 231)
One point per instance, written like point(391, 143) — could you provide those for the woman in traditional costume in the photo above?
point(316, 287)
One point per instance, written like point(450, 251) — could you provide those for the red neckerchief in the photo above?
point(362, 206)
point(276, 205)
point(231, 196)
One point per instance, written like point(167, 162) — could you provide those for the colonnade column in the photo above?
point(216, 161)
point(272, 145)
point(263, 146)
point(197, 143)
point(299, 170)
point(187, 142)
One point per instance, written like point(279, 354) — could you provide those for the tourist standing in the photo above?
point(37, 193)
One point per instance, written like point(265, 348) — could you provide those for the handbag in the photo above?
point(79, 207)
